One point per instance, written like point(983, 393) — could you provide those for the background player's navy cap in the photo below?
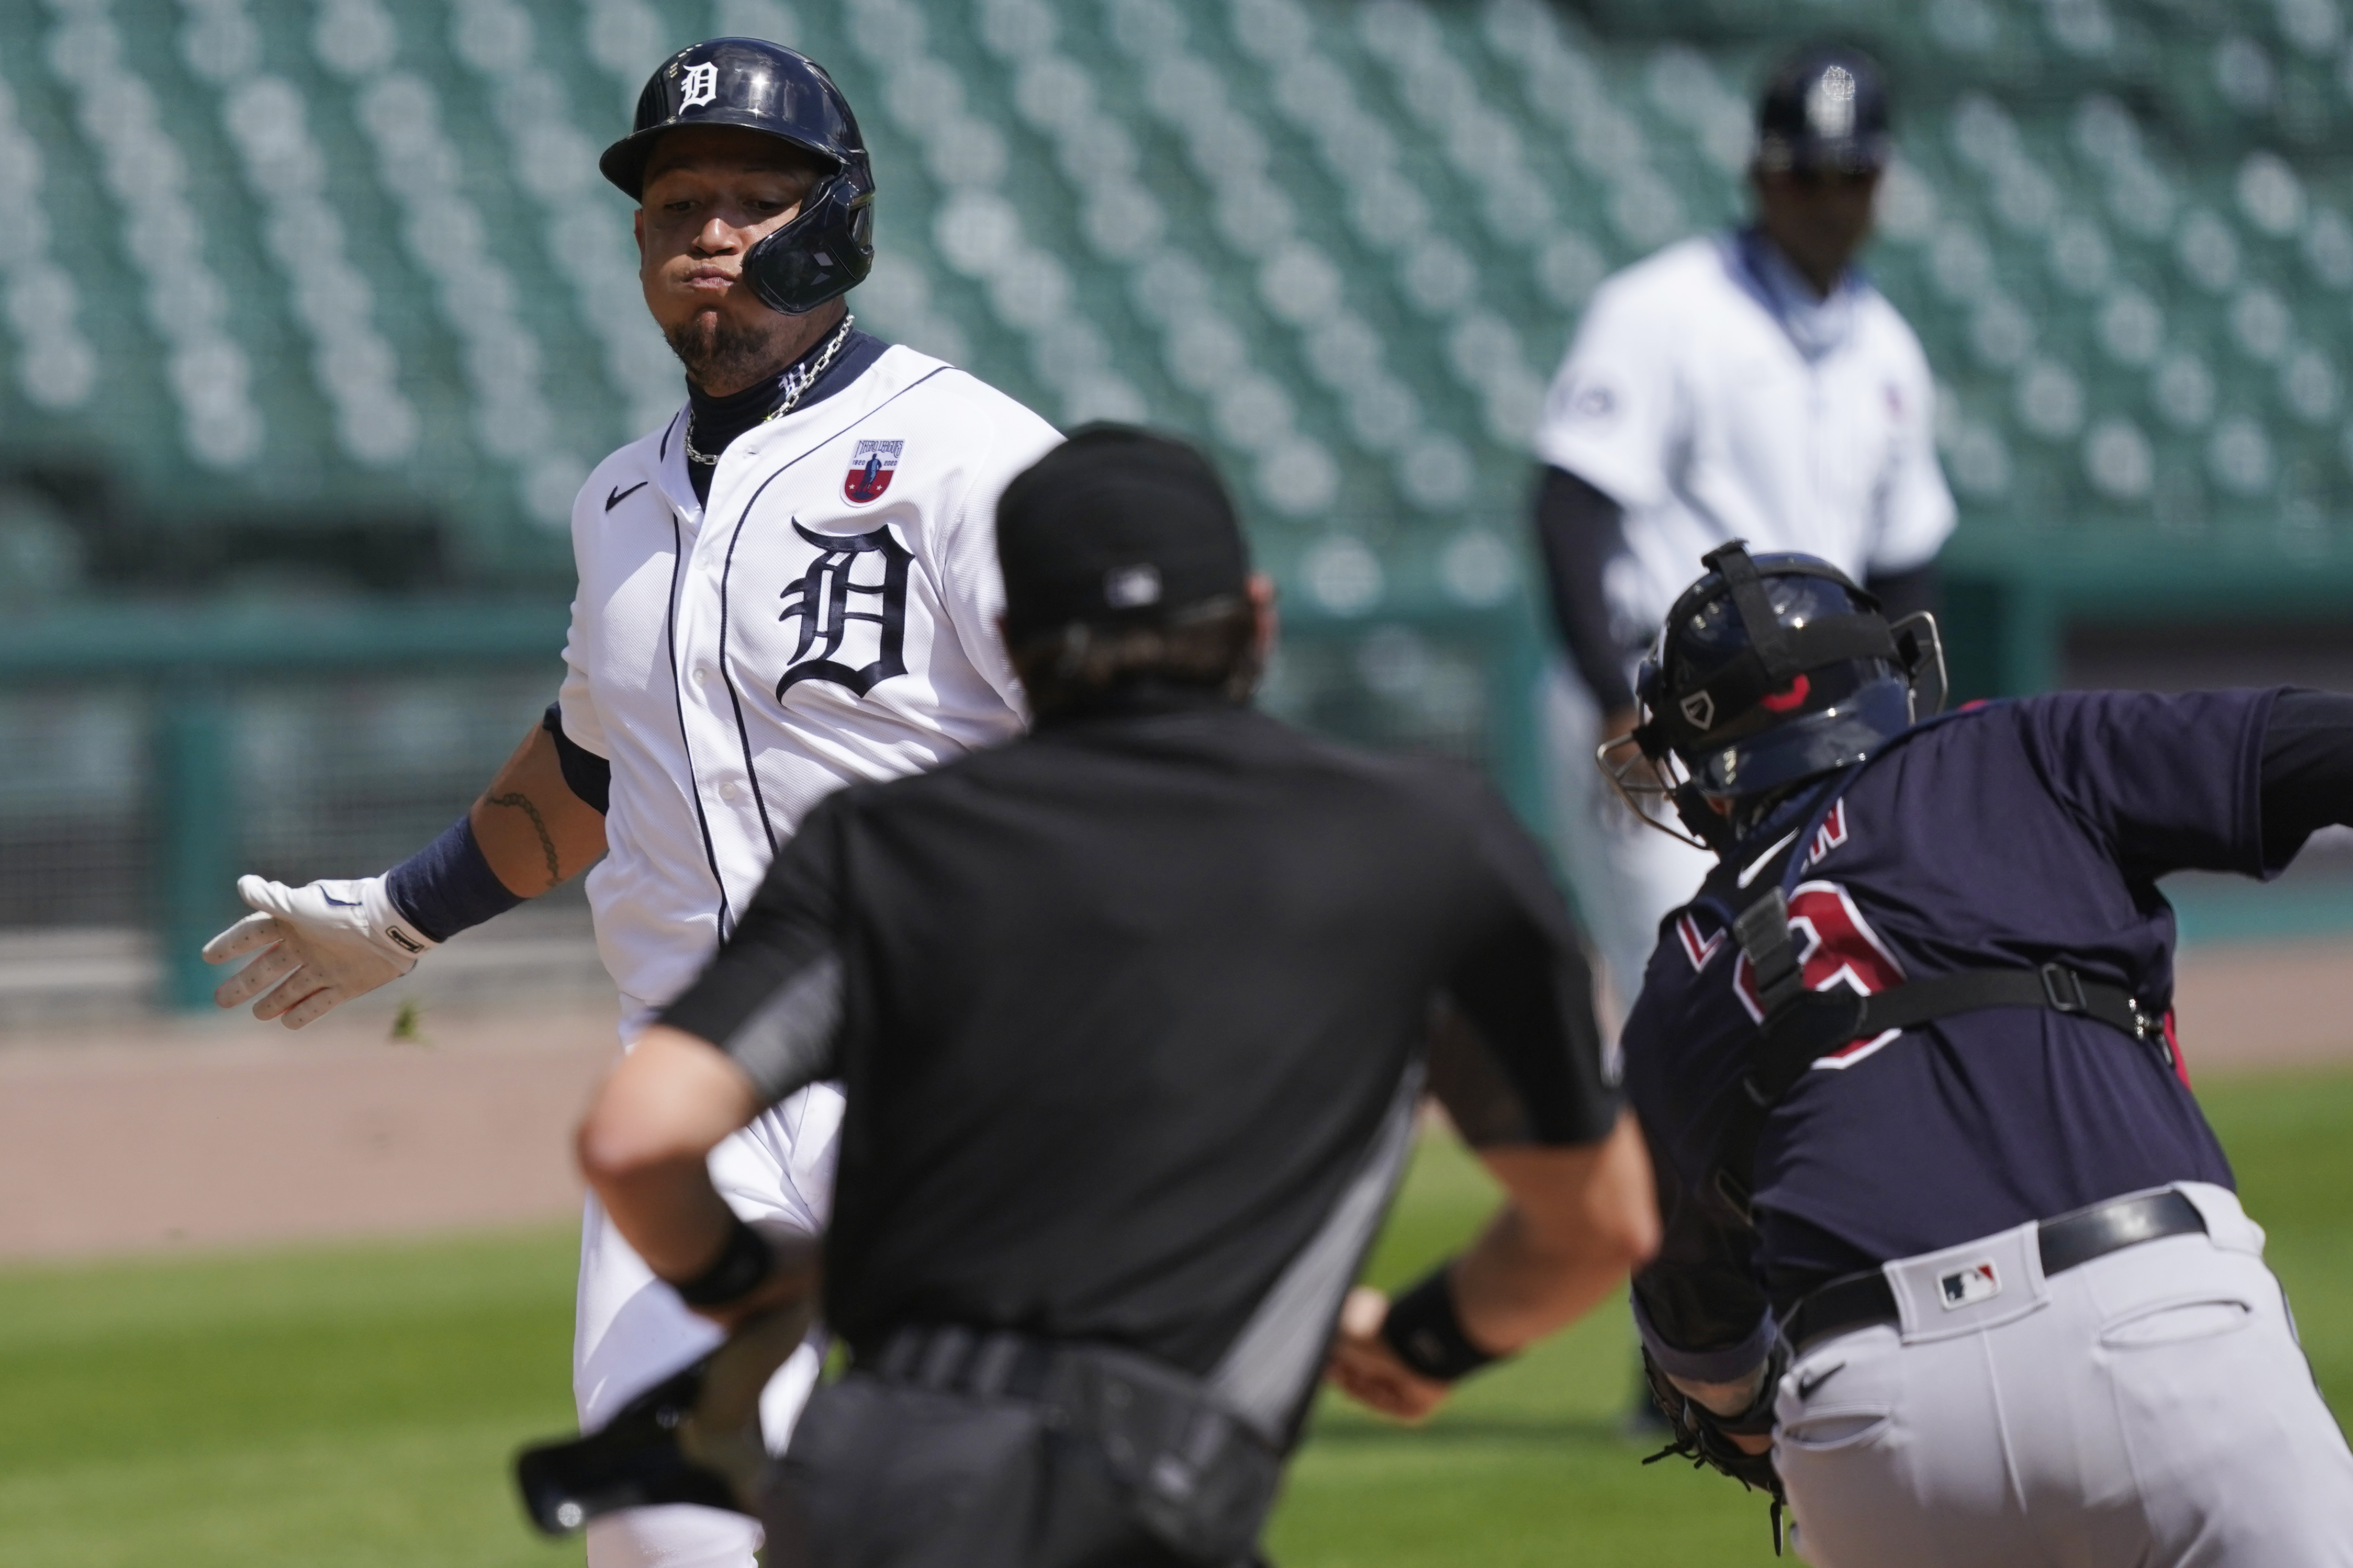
point(1825, 109)
point(1117, 526)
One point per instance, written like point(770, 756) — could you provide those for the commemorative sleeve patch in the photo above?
point(871, 467)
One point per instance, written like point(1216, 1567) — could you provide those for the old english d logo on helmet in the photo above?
point(1699, 709)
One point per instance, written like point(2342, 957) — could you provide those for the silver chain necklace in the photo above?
point(797, 383)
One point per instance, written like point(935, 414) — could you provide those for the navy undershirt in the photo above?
point(717, 421)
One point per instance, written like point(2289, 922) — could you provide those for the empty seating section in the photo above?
point(343, 255)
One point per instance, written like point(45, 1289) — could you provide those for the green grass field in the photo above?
point(357, 1405)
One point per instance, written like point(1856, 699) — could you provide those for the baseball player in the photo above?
point(1751, 385)
point(789, 586)
point(1951, 1255)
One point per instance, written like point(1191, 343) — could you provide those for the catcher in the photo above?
point(1951, 1256)
point(1131, 1017)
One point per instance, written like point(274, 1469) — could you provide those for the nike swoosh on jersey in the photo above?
point(342, 903)
point(1805, 1386)
point(1758, 864)
point(619, 495)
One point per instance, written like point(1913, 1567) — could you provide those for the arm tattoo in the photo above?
point(546, 839)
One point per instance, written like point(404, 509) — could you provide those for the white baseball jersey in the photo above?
point(1711, 405)
point(830, 615)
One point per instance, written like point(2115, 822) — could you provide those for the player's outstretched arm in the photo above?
point(1574, 1223)
point(532, 828)
point(316, 947)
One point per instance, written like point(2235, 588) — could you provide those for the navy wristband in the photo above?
point(447, 885)
point(1423, 1330)
point(740, 1265)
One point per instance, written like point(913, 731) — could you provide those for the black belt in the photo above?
point(1200, 1477)
point(952, 1359)
point(1860, 1301)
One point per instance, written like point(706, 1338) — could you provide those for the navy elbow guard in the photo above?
point(1427, 1334)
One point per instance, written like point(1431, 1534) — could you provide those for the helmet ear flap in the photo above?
point(1920, 649)
point(823, 253)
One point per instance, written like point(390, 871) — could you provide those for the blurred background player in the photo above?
point(1109, 1169)
point(1744, 385)
point(790, 586)
point(1946, 1227)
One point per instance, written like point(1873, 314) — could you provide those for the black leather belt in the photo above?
point(1200, 1477)
point(951, 1359)
point(1860, 1301)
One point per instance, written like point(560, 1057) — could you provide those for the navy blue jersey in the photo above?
point(2004, 835)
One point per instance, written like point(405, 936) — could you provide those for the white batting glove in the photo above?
point(328, 943)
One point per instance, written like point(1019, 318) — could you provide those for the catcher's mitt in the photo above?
point(1705, 1439)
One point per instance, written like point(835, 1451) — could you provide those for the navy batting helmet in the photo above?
point(1768, 671)
point(1825, 109)
point(828, 247)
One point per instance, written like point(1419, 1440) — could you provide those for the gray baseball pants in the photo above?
point(2148, 1409)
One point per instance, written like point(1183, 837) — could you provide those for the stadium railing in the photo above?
point(292, 740)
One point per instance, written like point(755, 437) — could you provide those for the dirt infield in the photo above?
point(220, 1131)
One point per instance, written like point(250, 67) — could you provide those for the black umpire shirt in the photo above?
point(1132, 1011)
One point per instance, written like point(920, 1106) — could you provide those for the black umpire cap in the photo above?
point(1824, 110)
point(1116, 527)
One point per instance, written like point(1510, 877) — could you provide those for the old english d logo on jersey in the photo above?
point(871, 467)
point(852, 600)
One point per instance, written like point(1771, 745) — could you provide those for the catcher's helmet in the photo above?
point(1767, 672)
point(1825, 109)
point(828, 247)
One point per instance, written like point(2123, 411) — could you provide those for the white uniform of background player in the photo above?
point(1711, 392)
point(821, 609)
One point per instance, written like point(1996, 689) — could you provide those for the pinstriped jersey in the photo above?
point(829, 615)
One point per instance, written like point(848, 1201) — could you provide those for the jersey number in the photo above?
point(1835, 947)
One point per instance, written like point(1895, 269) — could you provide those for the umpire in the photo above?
point(1131, 1016)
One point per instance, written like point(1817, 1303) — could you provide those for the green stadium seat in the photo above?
point(1344, 243)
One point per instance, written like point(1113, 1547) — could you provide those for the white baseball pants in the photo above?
point(630, 1331)
point(2148, 1409)
point(1627, 876)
